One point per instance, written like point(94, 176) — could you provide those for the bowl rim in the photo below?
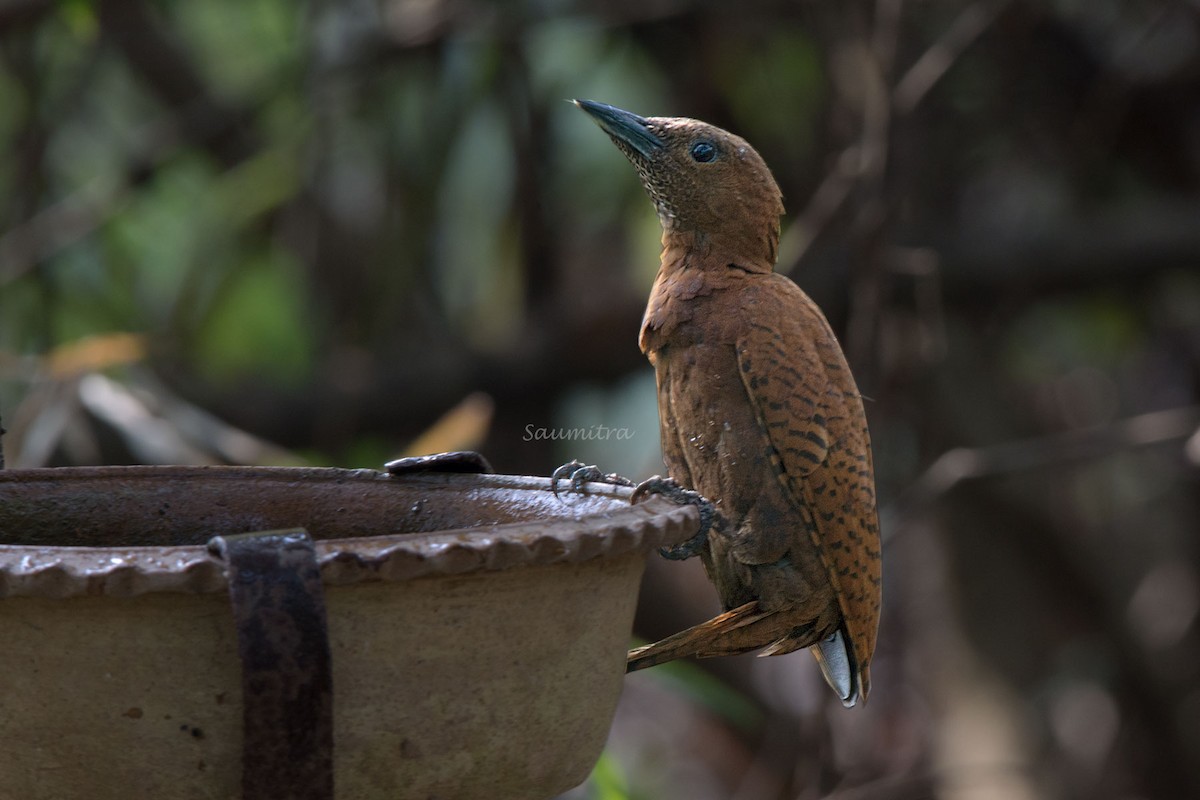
point(611, 530)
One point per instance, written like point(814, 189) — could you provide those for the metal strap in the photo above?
point(287, 687)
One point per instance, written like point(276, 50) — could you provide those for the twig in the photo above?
point(962, 464)
point(58, 226)
point(937, 60)
point(825, 202)
point(870, 228)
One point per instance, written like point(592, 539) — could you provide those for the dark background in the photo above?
point(253, 231)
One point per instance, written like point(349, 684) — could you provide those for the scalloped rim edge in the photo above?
point(59, 572)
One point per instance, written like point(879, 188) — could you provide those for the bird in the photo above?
point(758, 411)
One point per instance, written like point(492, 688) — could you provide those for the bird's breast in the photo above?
point(710, 433)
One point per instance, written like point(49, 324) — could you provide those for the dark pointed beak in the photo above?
point(624, 127)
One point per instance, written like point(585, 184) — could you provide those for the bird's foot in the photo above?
point(581, 473)
point(670, 489)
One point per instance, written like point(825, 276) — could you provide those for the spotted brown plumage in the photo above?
point(758, 411)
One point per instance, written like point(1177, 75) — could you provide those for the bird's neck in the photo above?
point(694, 266)
point(717, 253)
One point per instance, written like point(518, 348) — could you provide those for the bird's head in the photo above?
point(707, 184)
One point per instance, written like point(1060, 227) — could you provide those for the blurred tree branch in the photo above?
point(966, 464)
point(161, 61)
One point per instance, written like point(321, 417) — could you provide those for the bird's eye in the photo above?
point(703, 152)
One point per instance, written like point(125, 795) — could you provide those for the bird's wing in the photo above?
point(807, 404)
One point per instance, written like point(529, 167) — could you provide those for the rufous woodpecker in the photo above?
point(758, 411)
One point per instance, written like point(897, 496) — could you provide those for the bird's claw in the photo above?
point(581, 473)
point(670, 489)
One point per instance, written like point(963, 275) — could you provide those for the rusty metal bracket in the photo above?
point(287, 683)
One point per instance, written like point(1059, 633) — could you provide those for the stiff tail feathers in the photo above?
point(738, 631)
point(728, 634)
point(836, 661)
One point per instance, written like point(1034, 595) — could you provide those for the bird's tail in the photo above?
point(836, 661)
point(744, 629)
point(729, 634)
